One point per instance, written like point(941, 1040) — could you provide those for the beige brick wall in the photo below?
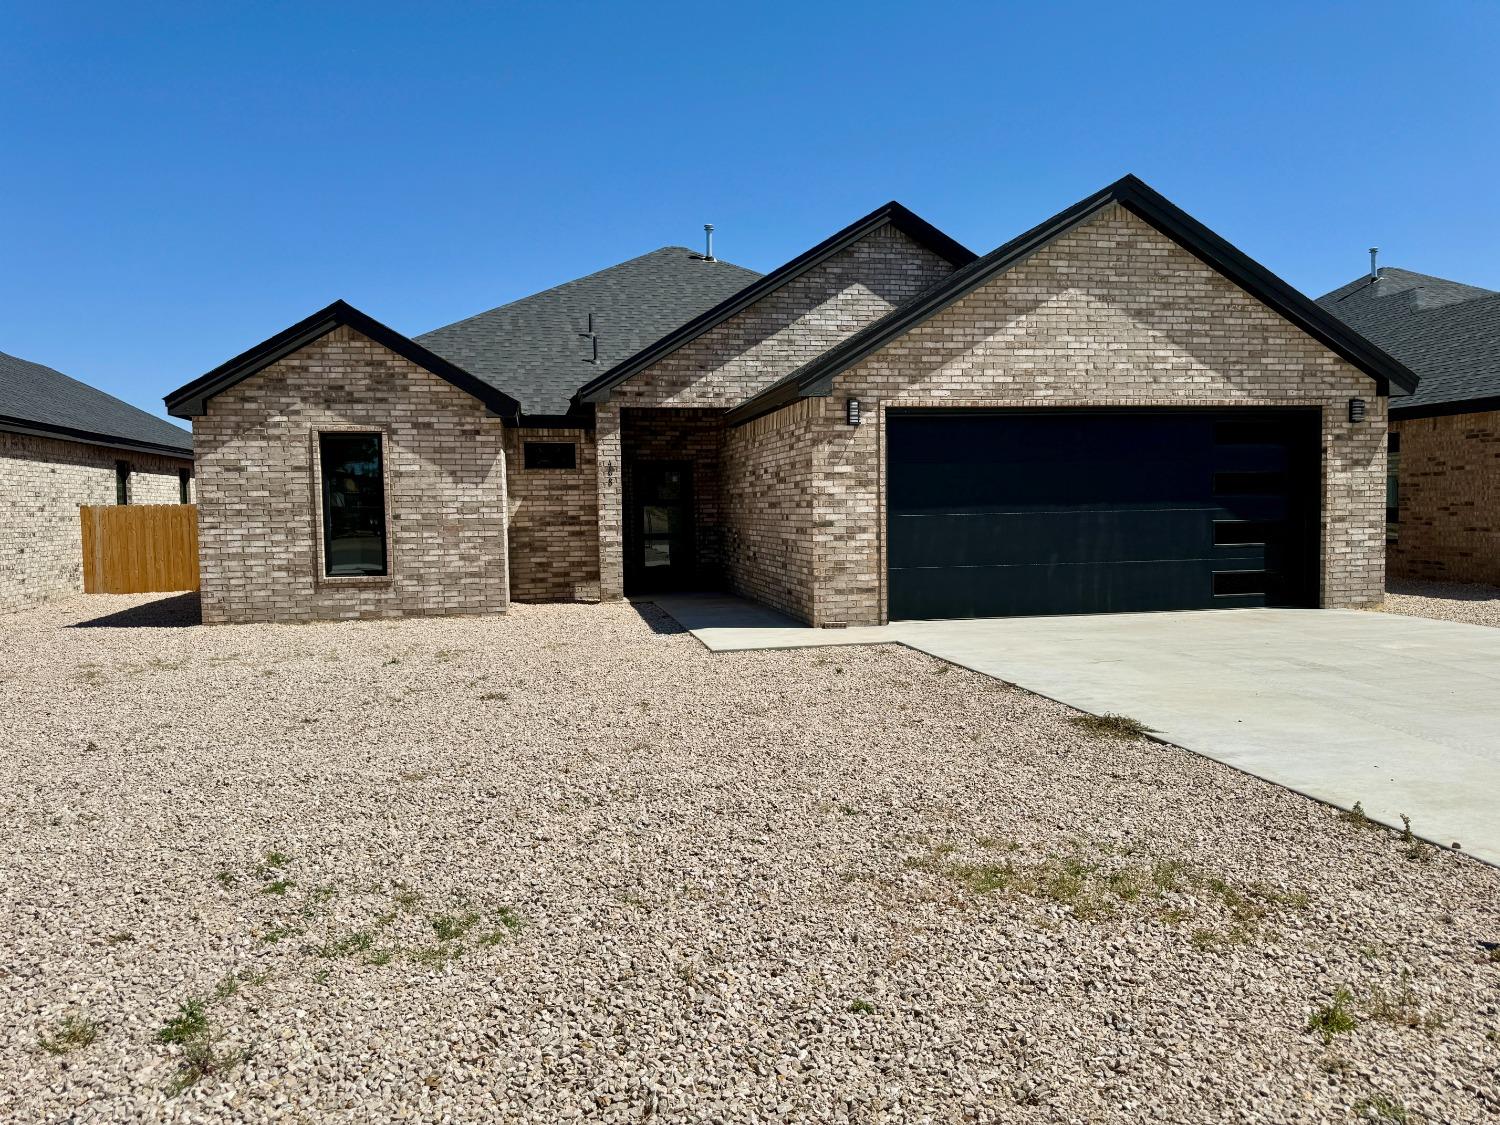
point(1449, 498)
point(259, 539)
point(42, 483)
point(770, 481)
point(1111, 314)
point(554, 519)
point(756, 347)
point(790, 326)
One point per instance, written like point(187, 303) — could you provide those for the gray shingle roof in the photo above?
point(1445, 331)
point(537, 349)
point(38, 397)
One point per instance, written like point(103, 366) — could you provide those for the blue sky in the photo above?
point(181, 181)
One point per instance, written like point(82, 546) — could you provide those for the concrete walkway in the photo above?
point(1399, 713)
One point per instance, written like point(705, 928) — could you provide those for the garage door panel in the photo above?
point(1069, 535)
point(995, 513)
point(1023, 591)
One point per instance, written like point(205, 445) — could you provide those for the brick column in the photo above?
point(611, 518)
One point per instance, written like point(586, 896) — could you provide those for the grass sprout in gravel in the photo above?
point(566, 864)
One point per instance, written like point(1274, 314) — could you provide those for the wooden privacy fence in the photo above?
point(139, 548)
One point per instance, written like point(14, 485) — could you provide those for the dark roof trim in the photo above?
point(909, 223)
point(1399, 413)
point(85, 437)
point(815, 378)
point(190, 401)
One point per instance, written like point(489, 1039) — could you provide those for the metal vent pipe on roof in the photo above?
point(1374, 269)
point(708, 243)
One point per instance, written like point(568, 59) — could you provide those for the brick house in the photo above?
point(64, 443)
point(1116, 410)
point(1443, 495)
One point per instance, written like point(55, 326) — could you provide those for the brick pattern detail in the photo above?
point(554, 517)
point(42, 483)
point(785, 329)
point(259, 539)
point(1449, 499)
point(609, 483)
point(745, 354)
point(769, 485)
point(1112, 313)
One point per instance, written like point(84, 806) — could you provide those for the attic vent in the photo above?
point(1374, 269)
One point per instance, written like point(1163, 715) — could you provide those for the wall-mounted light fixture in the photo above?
point(851, 411)
point(1356, 410)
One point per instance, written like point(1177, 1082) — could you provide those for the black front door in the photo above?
point(1002, 513)
point(659, 542)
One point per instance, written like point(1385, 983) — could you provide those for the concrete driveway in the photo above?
point(1400, 714)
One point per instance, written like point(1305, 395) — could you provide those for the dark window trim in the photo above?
point(325, 535)
point(535, 463)
point(122, 482)
point(184, 486)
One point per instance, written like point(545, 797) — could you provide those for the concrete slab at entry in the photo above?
point(1400, 714)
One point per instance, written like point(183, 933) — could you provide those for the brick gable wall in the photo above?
point(1110, 314)
point(259, 542)
point(789, 326)
point(42, 483)
point(753, 349)
point(1449, 485)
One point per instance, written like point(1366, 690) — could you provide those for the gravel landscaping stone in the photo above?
point(1445, 601)
point(566, 864)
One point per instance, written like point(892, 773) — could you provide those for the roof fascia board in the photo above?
point(1282, 298)
point(190, 400)
point(908, 222)
point(1400, 413)
point(85, 437)
point(815, 378)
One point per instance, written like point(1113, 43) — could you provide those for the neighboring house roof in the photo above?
point(910, 224)
point(41, 400)
point(189, 401)
point(815, 378)
point(542, 348)
point(1447, 332)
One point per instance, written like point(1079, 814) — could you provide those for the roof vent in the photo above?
point(1374, 269)
point(708, 244)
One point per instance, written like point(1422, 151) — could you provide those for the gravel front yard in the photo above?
point(568, 864)
point(1445, 601)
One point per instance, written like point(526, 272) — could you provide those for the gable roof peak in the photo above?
point(1148, 205)
point(190, 400)
point(891, 212)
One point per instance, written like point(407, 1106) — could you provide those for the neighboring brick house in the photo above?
point(63, 444)
point(1443, 497)
point(1115, 411)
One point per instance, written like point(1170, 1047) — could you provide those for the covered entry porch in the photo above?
point(661, 510)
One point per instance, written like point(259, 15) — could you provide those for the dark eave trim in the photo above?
point(190, 401)
point(1399, 413)
point(908, 222)
point(815, 378)
point(87, 437)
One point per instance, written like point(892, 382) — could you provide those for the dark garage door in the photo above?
point(1006, 513)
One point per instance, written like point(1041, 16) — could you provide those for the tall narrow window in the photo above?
point(353, 504)
point(122, 482)
point(184, 486)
